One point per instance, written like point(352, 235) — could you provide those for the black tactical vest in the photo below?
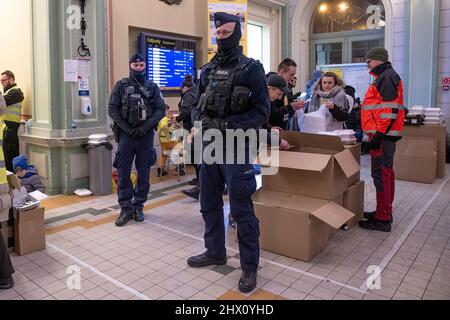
point(137, 102)
point(222, 96)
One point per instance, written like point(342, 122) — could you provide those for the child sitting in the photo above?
point(168, 143)
point(28, 175)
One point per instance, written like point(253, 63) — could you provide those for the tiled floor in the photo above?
point(148, 260)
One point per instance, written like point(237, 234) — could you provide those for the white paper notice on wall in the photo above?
point(70, 70)
point(84, 68)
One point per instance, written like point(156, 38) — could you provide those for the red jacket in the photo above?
point(383, 110)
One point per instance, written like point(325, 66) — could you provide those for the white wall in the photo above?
point(399, 56)
point(443, 97)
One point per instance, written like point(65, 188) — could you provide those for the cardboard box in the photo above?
point(356, 152)
point(29, 231)
point(416, 159)
point(296, 226)
point(354, 202)
point(432, 131)
point(13, 181)
point(319, 166)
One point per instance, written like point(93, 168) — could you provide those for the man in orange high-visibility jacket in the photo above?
point(382, 117)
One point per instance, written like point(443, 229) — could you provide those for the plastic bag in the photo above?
point(318, 121)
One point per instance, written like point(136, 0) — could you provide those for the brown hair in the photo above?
point(337, 81)
point(286, 63)
point(9, 74)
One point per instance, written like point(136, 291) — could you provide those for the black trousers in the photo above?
point(10, 144)
point(6, 268)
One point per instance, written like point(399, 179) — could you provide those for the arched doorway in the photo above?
point(342, 32)
point(352, 42)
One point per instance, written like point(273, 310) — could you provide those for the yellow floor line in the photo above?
point(92, 224)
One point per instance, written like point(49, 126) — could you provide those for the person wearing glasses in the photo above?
point(13, 96)
point(382, 119)
point(232, 94)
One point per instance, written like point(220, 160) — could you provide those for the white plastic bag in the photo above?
point(318, 121)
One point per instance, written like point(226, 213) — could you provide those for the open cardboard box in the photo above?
point(416, 159)
point(319, 166)
point(296, 226)
point(300, 207)
point(354, 202)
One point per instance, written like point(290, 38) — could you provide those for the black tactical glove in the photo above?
point(375, 142)
point(139, 132)
point(213, 123)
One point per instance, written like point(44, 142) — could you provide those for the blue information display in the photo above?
point(168, 60)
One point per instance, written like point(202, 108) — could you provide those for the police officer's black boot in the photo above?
point(6, 284)
point(206, 260)
point(193, 193)
point(123, 219)
point(139, 215)
point(248, 281)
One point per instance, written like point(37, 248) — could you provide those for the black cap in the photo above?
point(277, 81)
point(351, 91)
point(221, 18)
point(137, 58)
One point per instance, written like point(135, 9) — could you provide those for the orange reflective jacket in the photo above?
point(383, 110)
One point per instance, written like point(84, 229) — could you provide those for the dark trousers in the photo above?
point(142, 152)
point(6, 268)
point(241, 183)
point(10, 144)
point(384, 179)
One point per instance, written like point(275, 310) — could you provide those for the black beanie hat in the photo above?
point(380, 54)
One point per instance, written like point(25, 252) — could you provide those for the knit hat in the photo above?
point(20, 163)
point(137, 58)
point(380, 54)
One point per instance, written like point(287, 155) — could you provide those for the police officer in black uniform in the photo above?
point(232, 94)
point(136, 107)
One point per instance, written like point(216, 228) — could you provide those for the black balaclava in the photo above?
point(228, 44)
point(135, 75)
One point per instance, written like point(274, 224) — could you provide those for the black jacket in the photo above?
point(279, 114)
point(115, 107)
point(253, 78)
point(185, 108)
point(14, 96)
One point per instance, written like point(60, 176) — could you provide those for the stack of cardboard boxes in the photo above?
point(421, 154)
point(301, 207)
point(22, 230)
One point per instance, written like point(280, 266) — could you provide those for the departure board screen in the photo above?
point(168, 60)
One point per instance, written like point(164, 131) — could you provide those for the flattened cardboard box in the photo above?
point(354, 202)
point(29, 231)
point(296, 226)
point(318, 166)
point(416, 159)
point(432, 131)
